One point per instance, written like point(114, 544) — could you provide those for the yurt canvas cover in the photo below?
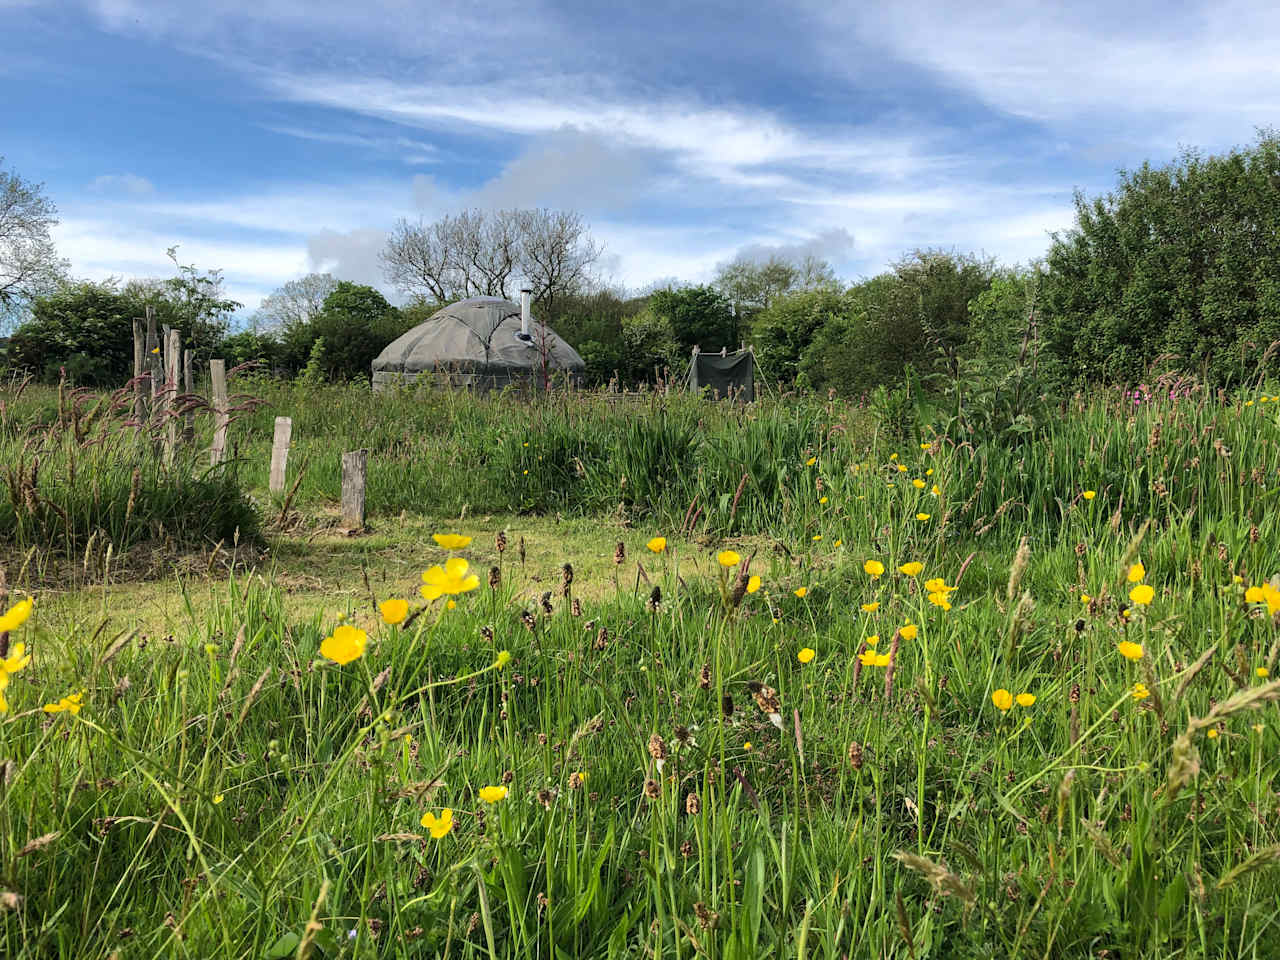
point(732, 374)
point(476, 343)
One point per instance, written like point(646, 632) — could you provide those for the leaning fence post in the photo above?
point(153, 354)
point(354, 469)
point(139, 386)
point(188, 383)
point(280, 453)
point(218, 374)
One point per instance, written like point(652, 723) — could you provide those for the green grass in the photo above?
point(239, 790)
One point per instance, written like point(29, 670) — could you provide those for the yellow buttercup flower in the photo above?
point(870, 658)
point(16, 615)
point(438, 826)
point(817, 537)
point(1142, 594)
point(801, 592)
point(17, 659)
point(452, 579)
point(451, 541)
point(1025, 699)
point(871, 607)
point(504, 657)
point(71, 703)
point(1264, 594)
point(1140, 691)
point(1089, 494)
point(657, 544)
point(940, 600)
point(4, 682)
point(935, 490)
point(822, 499)
point(922, 517)
point(911, 569)
point(345, 644)
point(929, 472)
point(806, 655)
point(837, 543)
point(753, 584)
point(493, 794)
point(1003, 700)
point(1212, 734)
point(394, 610)
point(1137, 572)
point(811, 461)
point(1085, 598)
point(893, 456)
point(217, 798)
point(926, 446)
point(908, 631)
point(1130, 650)
point(728, 558)
point(918, 483)
point(873, 568)
point(872, 640)
point(902, 468)
point(938, 585)
point(1263, 672)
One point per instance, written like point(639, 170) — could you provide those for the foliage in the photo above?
point(85, 327)
point(699, 316)
point(356, 324)
point(945, 282)
point(752, 284)
point(29, 264)
point(294, 305)
point(648, 343)
point(783, 331)
point(1179, 261)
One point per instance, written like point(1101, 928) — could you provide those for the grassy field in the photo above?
point(1066, 747)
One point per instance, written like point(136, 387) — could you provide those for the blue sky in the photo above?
point(278, 137)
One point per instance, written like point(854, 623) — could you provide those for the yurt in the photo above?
point(483, 342)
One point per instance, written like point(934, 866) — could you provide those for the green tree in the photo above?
point(356, 324)
point(649, 342)
point(86, 328)
point(699, 316)
point(945, 282)
point(784, 330)
point(29, 265)
point(1179, 261)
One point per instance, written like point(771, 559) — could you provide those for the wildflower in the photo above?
point(493, 794)
point(873, 568)
point(893, 456)
point(801, 592)
point(155, 349)
point(1003, 700)
point(657, 544)
point(872, 640)
point(1085, 598)
point(1140, 691)
point(504, 657)
point(817, 537)
point(451, 541)
point(1025, 699)
point(870, 658)
point(16, 615)
point(1137, 572)
point(728, 558)
point(902, 468)
point(1212, 734)
point(811, 461)
point(747, 745)
point(911, 569)
point(217, 798)
point(452, 579)
point(1263, 673)
point(1248, 403)
point(934, 490)
point(922, 517)
point(71, 703)
point(929, 472)
point(806, 655)
point(938, 585)
point(837, 543)
point(1264, 594)
point(394, 610)
point(526, 473)
point(1142, 594)
point(4, 682)
point(345, 644)
point(822, 499)
point(1089, 494)
point(926, 446)
point(577, 779)
point(753, 584)
point(439, 826)
point(16, 660)
point(1130, 650)
point(909, 631)
point(918, 483)
point(940, 600)
point(871, 607)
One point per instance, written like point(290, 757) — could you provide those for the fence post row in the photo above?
point(172, 351)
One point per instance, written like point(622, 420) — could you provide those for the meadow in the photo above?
point(646, 676)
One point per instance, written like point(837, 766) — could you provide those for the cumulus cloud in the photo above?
point(351, 255)
point(127, 184)
point(833, 245)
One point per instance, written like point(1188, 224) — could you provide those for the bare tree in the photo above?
point(295, 304)
point(486, 253)
point(29, 265)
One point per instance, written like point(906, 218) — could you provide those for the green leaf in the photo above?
point(283, 947)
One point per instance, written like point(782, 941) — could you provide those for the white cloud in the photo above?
point(128, 184)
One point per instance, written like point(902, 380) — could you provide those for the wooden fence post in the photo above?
point(188, 382)
point(153, 354)
point(218, 374)
point(355, 467)
point(139, 363)
point(172, 351)
point(280, 453)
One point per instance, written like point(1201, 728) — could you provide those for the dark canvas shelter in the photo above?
point(724, 374)
point(477, 343)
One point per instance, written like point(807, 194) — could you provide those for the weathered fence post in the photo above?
point(153, 354)
point(280, 453)
point(355, 466)
point(172, 351)
point(139, 386)
point(218, 374)
point(188, 383)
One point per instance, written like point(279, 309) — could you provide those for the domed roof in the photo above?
point(474, 340)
